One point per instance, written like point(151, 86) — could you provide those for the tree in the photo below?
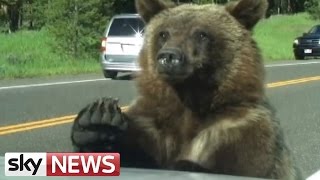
point(123, 6)
point(3, 17)
point(77, 25)
point(285, 6)
point(313, 8)
point(13, 13)
point(35, 13)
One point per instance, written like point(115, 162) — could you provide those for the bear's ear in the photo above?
point(248, 12)
point(149, 8)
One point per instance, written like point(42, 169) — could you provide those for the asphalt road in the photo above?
point(21, 101)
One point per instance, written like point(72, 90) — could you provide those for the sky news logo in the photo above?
point(62, 164)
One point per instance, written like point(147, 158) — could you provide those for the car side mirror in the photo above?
point(304, 34)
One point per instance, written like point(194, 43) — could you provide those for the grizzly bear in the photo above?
point(201, 105)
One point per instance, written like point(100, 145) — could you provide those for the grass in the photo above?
point(28, 54)
point(275, 35)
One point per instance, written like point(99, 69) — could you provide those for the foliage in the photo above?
point(276, 34)
point(77, 25)
point(20, 58)
point(34, 13)
point(74, 28)
point(28, 54)
point(313, 8)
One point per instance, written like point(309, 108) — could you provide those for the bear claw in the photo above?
point(98, 126)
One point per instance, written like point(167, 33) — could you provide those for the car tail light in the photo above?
point(103, 45)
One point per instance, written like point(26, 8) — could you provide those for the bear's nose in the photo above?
point(170, 58)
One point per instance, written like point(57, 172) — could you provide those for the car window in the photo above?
point(126, 27)
point(315, 30)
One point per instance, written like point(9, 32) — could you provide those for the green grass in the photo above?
point(275, 35)
point(28, 54)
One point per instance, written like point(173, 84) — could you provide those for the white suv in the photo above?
point(121, 45)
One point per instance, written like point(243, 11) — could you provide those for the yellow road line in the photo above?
point(20, 129)
point(35, 123)
point(68, 119)
point(291, 82)
point(39, 124)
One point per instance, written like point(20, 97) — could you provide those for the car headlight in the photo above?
point(296, 41)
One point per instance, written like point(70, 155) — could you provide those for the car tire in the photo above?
point(299, 57)
point(110, 74)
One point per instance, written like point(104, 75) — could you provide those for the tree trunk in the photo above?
point(14, 16)
point(14, 11)
point(76, 36)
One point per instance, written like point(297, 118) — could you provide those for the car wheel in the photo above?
point(299, 57)
point(110, 74)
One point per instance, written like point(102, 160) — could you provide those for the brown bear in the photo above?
point(201, 104)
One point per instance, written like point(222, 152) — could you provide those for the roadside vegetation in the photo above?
point(276, 34)
point(44, 37)
point(29, 54)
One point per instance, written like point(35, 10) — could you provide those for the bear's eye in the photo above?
point(203, 36)
point(164, 35)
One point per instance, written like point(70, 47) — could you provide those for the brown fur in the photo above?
point(218, 117)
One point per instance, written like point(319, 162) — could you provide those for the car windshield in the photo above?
point(315, 30)
point(126, 27)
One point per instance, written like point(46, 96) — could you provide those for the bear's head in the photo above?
point(209, 42)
